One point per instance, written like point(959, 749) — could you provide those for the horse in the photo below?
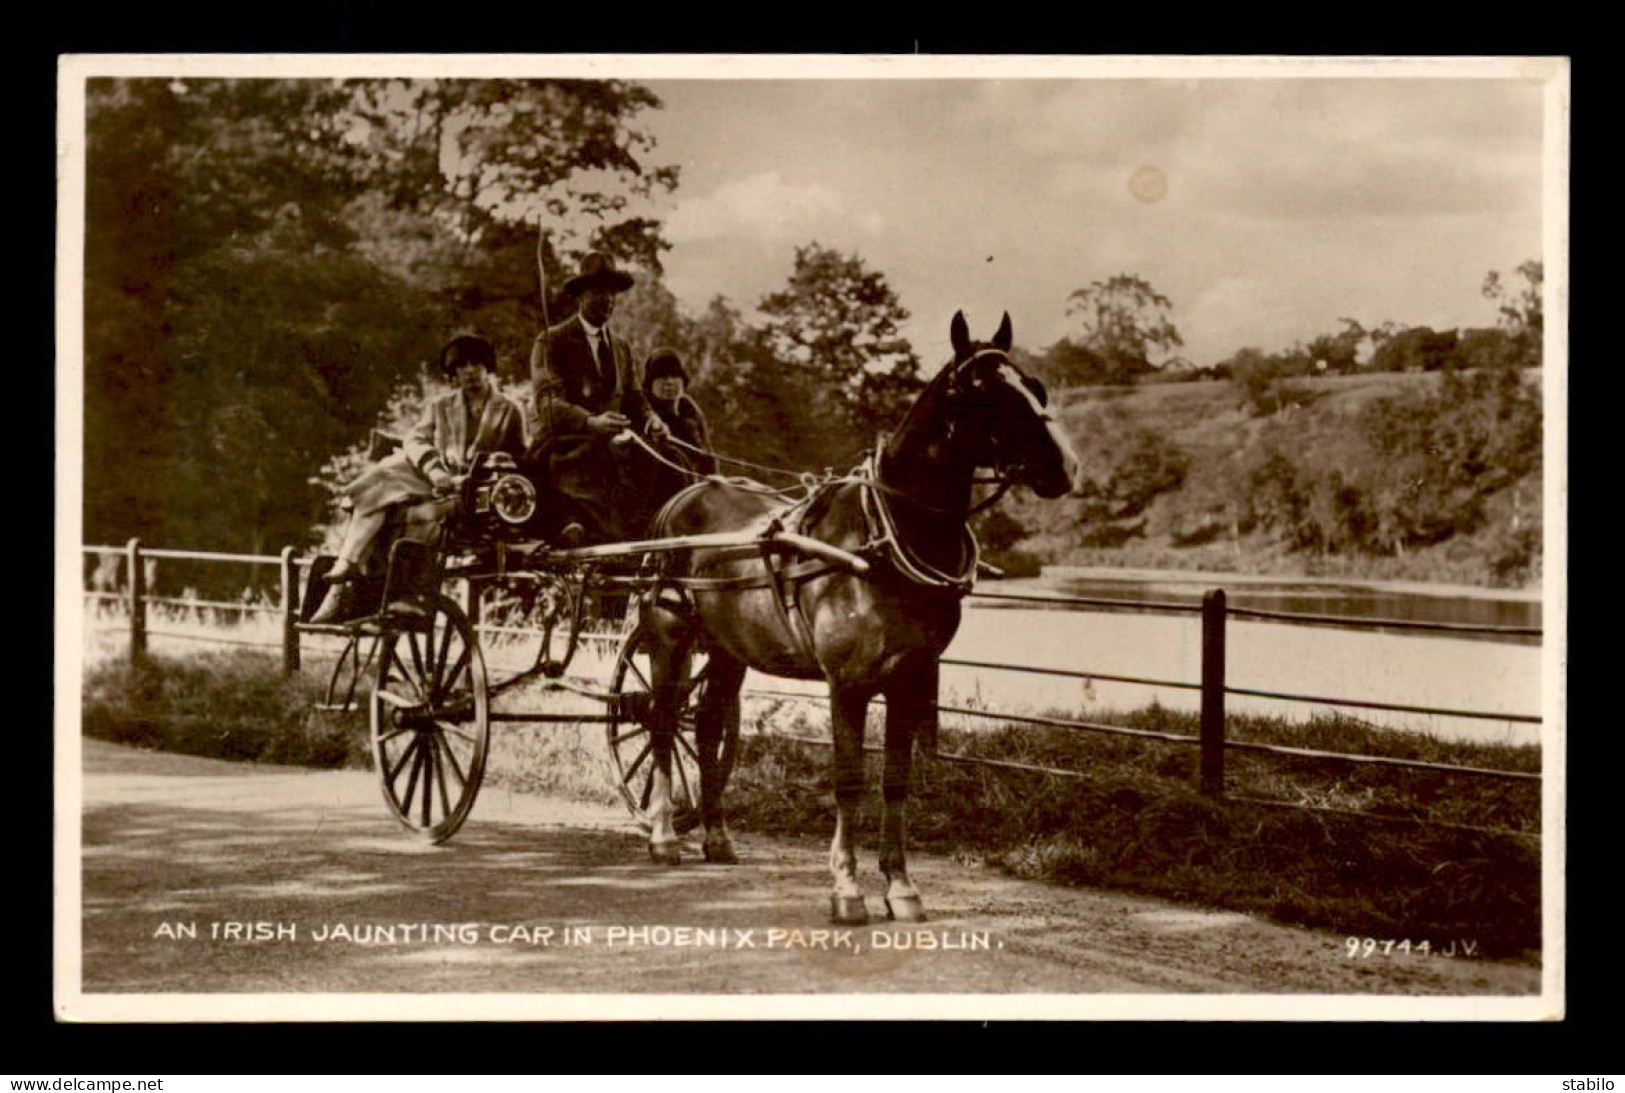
point(905, 513)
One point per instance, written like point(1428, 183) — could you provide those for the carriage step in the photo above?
point(371, 626)
point(396, 620)
point(335, 707)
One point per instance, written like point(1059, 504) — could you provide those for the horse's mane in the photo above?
point(927, 401)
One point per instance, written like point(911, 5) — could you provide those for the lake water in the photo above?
point(1491, 674)
point(1477, 673)
point(1345, 599)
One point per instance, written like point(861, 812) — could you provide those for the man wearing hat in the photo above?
point(585, 391)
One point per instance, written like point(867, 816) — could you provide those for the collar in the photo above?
point(592, 331)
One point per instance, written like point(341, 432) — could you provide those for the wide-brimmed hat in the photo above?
point(598, 271)
point(663, 364)
point(467, 349)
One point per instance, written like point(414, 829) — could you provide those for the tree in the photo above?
point(1419, 349)
point(266, 259)
point(1522, 309)
point(1489, 347)
point(1069, 364)
point(1124, 319)
point(839, 325)
point(483, 162)
point(1337, 353)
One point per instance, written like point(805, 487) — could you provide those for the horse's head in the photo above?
point(1000, 417)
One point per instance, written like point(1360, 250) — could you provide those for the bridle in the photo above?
point(1005, 474)
point(877, 496)
point(884, 538)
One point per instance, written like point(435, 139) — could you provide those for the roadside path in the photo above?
point(538, 896)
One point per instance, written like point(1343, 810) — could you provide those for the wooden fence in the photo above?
point(1213, 685)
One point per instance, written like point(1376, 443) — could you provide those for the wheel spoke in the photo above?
point(384, 738)
point(403, 674)
point(449, 684)
point(406, 753)
point(412, 779)
point(456, 768)
point(453, 730)
point(687, 745)
point(417, 661)
point(439, 660)
point(390, 698)
point(632, 666)
point(639, 731)
point(436, 746)
point(638, 762)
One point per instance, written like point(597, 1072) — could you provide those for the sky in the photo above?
point(1265, 210)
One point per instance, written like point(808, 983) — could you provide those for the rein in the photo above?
point(806, 482)
point(883, 534)
point(876, 496)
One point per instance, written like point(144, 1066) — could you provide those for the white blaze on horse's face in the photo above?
point(1066, 465)
point(1051, 479)
point(1008, 373)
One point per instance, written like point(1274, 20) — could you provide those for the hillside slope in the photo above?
point(1401, 476)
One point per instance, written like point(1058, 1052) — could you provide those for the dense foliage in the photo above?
point(266, 260)
point(271, 266)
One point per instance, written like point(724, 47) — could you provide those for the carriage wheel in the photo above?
point(431, 721)
point(629, 744)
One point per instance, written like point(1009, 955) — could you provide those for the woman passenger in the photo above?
point(455, 428)
point(665, 383)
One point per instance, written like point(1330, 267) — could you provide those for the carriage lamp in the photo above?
point(513, 498)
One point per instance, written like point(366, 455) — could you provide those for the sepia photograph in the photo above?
point(745, 537)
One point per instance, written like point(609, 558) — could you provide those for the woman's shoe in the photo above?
point(343, 572)
point(337, 606)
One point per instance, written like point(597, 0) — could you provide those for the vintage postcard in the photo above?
point(749, 537)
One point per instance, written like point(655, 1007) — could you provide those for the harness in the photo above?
point(883, 542)
point(785, 575)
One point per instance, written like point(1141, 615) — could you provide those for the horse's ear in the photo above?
point(1003, 338)
point(959, 334)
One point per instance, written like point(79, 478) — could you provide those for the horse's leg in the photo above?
point(718, 711)
point(911, 706)
point(848, 709)
point(669, 643)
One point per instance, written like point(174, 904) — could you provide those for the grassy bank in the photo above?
point(1133, 821)
point(1377, 476)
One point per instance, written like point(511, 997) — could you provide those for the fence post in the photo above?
point(290, 613)
point(1213, 693)
point(138, 601)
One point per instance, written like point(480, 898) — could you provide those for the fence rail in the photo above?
point(1181, 607)
point(1213, 611)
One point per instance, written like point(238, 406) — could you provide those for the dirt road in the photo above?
point(209, 877)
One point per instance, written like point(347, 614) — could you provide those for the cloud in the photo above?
point(767, 209)
point(1241, 311)
point(1280, 150)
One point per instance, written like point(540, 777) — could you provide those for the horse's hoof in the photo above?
point(905, 909)
point(848, 910)
point(720, 853)
point(666, 853)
